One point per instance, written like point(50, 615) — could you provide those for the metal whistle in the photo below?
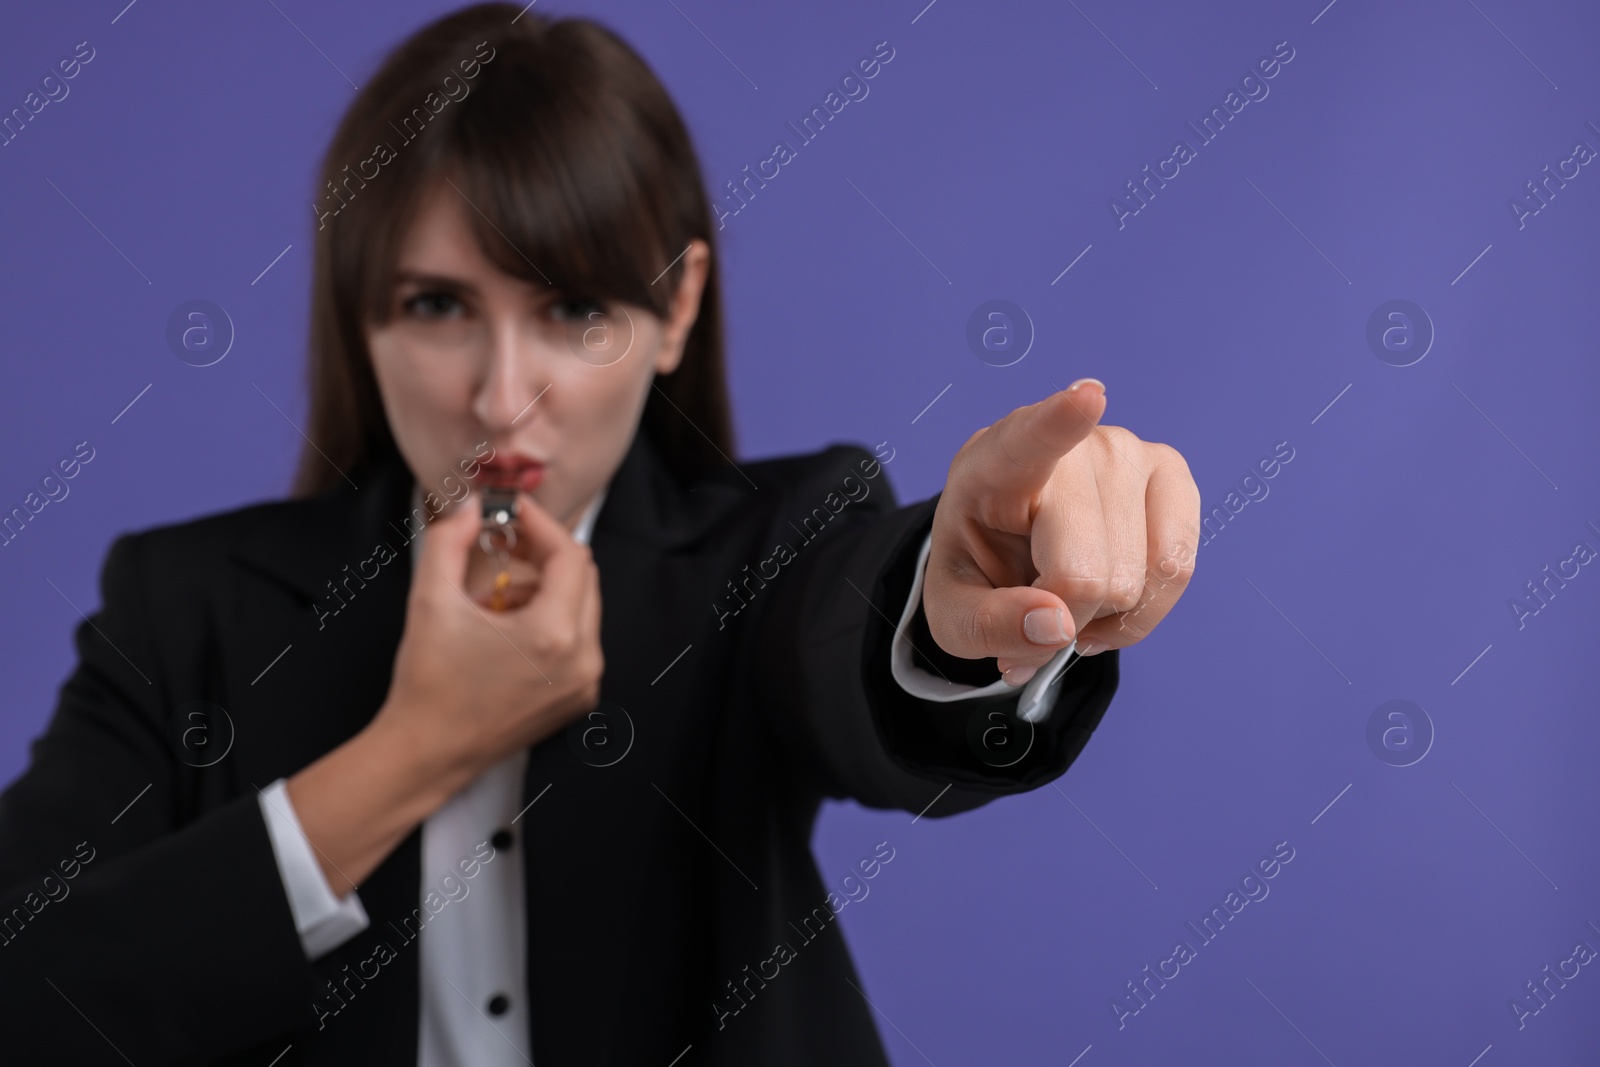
point(498, 536)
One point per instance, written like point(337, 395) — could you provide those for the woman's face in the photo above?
point(473, 356)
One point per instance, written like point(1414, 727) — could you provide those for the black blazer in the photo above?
point(654, 885)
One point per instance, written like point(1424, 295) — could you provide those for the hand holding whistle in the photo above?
point(501, 574)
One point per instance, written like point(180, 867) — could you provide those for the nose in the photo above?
point(515, 373)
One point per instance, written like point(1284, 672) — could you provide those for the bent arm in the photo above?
point(175, 941)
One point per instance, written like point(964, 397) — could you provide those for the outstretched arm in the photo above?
point(1043, 512)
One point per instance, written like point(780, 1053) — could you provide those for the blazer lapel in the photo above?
point(329, 530)
point(314, 649)
point(602, 825)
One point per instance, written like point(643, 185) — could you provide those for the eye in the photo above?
point(433, 304)
point(577, 308)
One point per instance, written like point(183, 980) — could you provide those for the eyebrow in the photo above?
point(444, 282)
point(432, 281)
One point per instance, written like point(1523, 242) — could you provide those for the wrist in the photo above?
point(424, 774)
point(359, 801)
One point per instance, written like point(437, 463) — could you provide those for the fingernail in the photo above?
point(1091, 648)
point(1080, 381)
point(1019, 675)
point(1043, 626)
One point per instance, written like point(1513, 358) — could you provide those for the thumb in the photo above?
point(565, 564)
point(1013, 622)
point(541, 535)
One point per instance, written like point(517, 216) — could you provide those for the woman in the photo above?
point(321, 800)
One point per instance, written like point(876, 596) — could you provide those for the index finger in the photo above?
point(450, 537)
point(1017, 455)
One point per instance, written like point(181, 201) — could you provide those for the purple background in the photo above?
point(1380, 566)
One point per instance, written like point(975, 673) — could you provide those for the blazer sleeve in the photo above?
point(129, 932)
point(823, 672)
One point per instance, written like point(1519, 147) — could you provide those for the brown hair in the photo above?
point(582, 176)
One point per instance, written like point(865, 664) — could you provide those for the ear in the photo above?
point(685, 306)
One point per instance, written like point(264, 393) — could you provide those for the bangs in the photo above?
point(556, 194)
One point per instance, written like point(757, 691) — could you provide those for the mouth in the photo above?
point(515, 472)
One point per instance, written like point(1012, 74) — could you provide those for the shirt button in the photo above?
point(499, 1004)
point(501, 840)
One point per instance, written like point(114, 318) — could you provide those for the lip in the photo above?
point(519, 471)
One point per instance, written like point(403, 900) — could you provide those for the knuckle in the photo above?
point(1083, 588)
point(1122, 433)
point(1176, 565)
point(980, 626)
point(1125, 592)
point(1010, 459)
point(427, 600)
point(1117, 436)
point(1182, 565)
point(550, 642)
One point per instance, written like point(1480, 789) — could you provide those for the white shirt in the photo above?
point(473, 959)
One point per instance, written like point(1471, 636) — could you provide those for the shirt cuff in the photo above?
point(323, 920)
point(1038, 695)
